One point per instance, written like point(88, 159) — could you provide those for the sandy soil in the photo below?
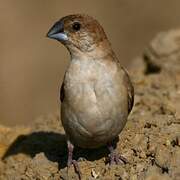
point(150, 141)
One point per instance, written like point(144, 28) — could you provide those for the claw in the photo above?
point(114, 157)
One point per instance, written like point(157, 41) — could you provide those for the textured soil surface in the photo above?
point(150, 141)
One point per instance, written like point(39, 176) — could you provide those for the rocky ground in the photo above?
point(150, 141)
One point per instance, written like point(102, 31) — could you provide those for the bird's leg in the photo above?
point(71, 161)
point(114, 157)
point(70, 153)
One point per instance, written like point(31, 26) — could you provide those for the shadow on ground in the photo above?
point(53, 145)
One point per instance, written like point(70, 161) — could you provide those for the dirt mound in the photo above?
point(150, 141)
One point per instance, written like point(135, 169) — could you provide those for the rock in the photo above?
point(41, 168)
point(166, 43)
point(157, 177)
point(153, 173)
point(162, 158)
point(163, 47)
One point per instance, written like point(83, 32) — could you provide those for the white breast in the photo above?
point(92, 105)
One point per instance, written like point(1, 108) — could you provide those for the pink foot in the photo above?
point(71, 161)
point(114, 157)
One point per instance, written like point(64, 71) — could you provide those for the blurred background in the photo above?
point(32, 66)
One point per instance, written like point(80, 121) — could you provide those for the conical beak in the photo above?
point(57, 32)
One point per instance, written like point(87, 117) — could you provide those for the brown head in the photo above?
point(78, 33)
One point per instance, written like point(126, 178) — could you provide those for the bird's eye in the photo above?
point(76, 26)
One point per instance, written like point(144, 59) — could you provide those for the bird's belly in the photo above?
point(92, 114)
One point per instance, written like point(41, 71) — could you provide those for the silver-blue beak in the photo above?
point(57, 32)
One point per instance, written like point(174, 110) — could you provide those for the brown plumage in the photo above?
point(97, 94)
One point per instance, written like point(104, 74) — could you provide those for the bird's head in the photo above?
point(78, 33)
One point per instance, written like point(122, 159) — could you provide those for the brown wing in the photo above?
point(62, 93)
point(130, 90)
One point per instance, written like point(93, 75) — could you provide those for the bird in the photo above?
point(97, 94)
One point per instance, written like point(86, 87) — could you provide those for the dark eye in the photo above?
point(76, 26)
